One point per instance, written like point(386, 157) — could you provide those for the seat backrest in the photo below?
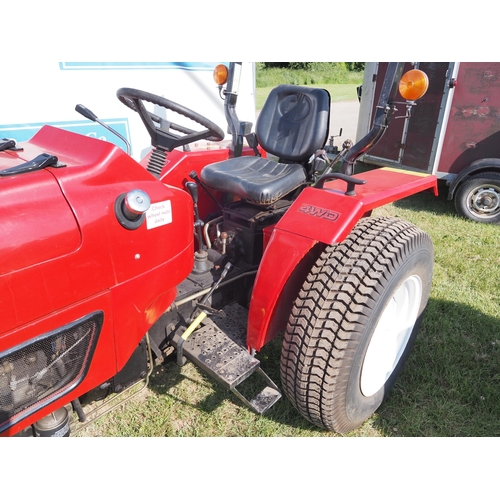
point(294, 122)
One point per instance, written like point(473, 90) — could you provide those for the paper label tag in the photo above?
point(159, 214)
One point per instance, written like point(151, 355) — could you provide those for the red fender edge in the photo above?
point(317, 218)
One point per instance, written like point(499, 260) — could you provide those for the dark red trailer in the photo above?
point(453, 132)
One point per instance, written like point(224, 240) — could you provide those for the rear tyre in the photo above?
point(478, 198)
point(355, 321)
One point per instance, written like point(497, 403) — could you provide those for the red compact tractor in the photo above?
point(108, 264)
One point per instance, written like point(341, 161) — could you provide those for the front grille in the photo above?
point(38, 372)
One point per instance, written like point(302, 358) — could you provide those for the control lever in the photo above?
point(198, 223)
point(80, 108)
point(201, 262)
point(195, 178)
point(193, 190)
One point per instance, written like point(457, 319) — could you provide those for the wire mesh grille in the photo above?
point(36, 373)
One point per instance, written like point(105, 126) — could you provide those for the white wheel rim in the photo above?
point(391, 336)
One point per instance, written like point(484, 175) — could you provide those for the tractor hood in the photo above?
point(36, 222)
point(61, 238)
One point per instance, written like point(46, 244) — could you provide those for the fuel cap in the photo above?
point(130, 208)
point(136, 202)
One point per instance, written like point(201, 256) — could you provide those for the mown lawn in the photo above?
point(338, 92)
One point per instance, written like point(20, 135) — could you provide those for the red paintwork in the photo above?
point(181, 164)
point(317, 216)
point(93, 262)
point(45, 203)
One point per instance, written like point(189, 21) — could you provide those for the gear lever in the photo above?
point(201, 263)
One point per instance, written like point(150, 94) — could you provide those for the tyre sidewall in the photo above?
point(466, 188)
point(359, 407)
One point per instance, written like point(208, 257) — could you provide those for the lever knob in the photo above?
point(193, 190)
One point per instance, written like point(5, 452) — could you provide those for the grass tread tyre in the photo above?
point(336, 313)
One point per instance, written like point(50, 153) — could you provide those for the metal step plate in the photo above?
point(219, 348)
point(219, 355)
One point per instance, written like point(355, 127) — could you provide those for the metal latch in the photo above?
point(38, 163)
point(9, 144)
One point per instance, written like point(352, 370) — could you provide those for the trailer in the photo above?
point(453, 133)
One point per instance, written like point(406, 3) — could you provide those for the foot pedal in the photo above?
point(226, 360)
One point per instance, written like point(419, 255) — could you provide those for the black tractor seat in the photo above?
point(292, 126)
point(258, 180)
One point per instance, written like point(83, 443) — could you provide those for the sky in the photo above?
point(257, 31)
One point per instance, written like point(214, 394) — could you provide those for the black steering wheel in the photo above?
point(162, 136)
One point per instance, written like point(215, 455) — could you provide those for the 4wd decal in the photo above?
point(322, 213)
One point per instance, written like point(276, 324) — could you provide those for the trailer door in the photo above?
point(412, 142)
point(473, 129)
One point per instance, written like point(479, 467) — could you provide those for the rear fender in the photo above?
point(483, 165)
point(317, 218)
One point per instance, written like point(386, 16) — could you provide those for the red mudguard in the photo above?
point(324, 216)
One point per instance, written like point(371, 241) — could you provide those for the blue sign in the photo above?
point(22, 132)
point(189, 66)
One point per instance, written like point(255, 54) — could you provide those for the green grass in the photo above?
point(316, 74)
point(449, 386)
point(338, 92)
point(334, 77)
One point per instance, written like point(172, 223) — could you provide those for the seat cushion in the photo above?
point(255, 179)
